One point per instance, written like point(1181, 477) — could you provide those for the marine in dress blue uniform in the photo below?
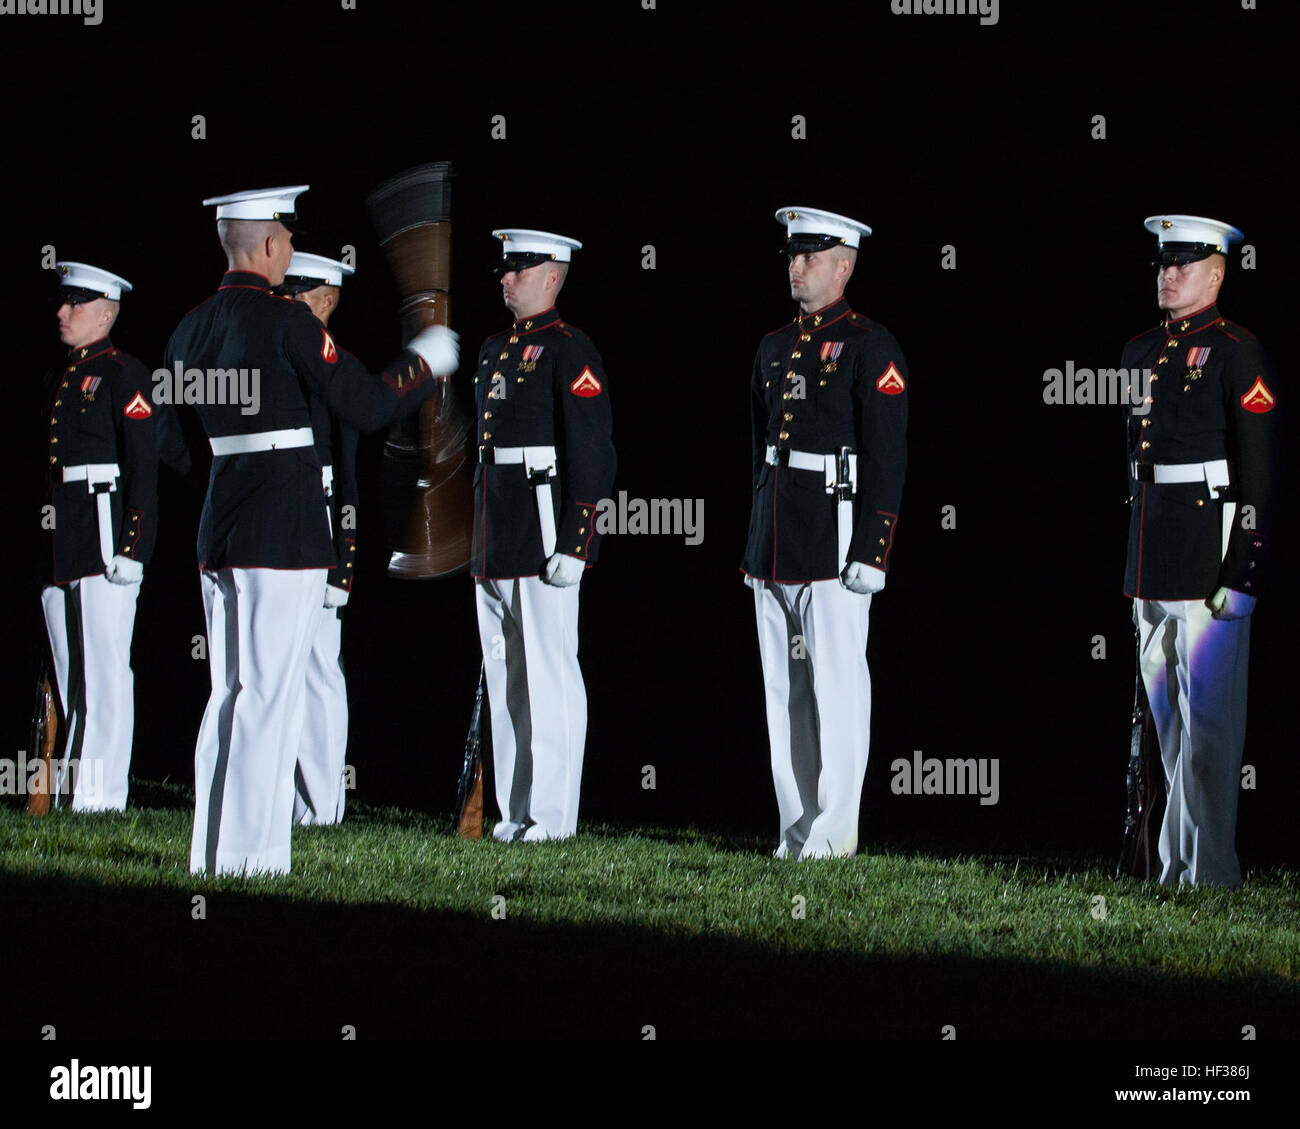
point(1200, 450)
point(265, 546)
point(546, 459)
point(828, 402)
point(103, 474)
point(319, 784)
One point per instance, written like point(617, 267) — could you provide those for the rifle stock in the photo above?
point(469, 792)
point(427, 470)
point(45, 732)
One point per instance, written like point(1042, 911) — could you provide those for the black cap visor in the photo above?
point(75, 295)
point(1179, 254)
point(521, 260)
point(808, 243)
point(299, 284)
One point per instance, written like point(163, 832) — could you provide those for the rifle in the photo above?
point(469, 792)
point(428, 474)
point(45, 732)
point(1145, 783)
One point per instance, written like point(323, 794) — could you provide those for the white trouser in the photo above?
point(260, 623)
point(529, 633)
point(322, 751)
point(90, 622)
point(813, 641)
point(1195, 667)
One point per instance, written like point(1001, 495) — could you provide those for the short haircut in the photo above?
point(843, 251)
point(245, 237)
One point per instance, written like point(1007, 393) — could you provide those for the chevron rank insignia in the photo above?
point(891, 381)
point(586, 384)
point(138, 408)
point(329, 353)
point(1259, 399)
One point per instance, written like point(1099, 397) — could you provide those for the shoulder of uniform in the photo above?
point(783, 329)
point(296, 315)
point(1233, 331)
point(124, 360)
point(568, 329)
point(1154, 331)
point(294, 309)
point(864, 324)
point(195, 309)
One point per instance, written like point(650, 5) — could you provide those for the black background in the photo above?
point(672, 127)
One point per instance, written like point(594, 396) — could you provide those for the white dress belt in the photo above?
point(1214, 472)
point(800, 460)
point(284, 439)
point(533, 458)
point(93, 474)
point(825, 464)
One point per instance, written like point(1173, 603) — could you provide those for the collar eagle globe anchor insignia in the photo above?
point(1258, 399)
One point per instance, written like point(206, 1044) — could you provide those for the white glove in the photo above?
point(123, 570)
point(439, 347)
point(753, 582)
point(563, 570)
point(1228, 603)
point(335, 597)
point(862, 579)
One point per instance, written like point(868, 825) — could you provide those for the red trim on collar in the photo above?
point(241, 286)
point(515, 331)
point(823, 309)
point(1187, 317)
point(89, 356)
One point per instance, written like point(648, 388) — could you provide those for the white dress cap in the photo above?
point(330, 272)
point(258, 204)
point(85, 277)
point(1193, 229)
point(522, 241)
point(813, 223)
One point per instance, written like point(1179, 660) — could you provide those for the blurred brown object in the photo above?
point(428, 474)
point(45, 732)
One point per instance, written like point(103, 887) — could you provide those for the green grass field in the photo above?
point(391, 924)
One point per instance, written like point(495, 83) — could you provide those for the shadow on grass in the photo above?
point(100, 962)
